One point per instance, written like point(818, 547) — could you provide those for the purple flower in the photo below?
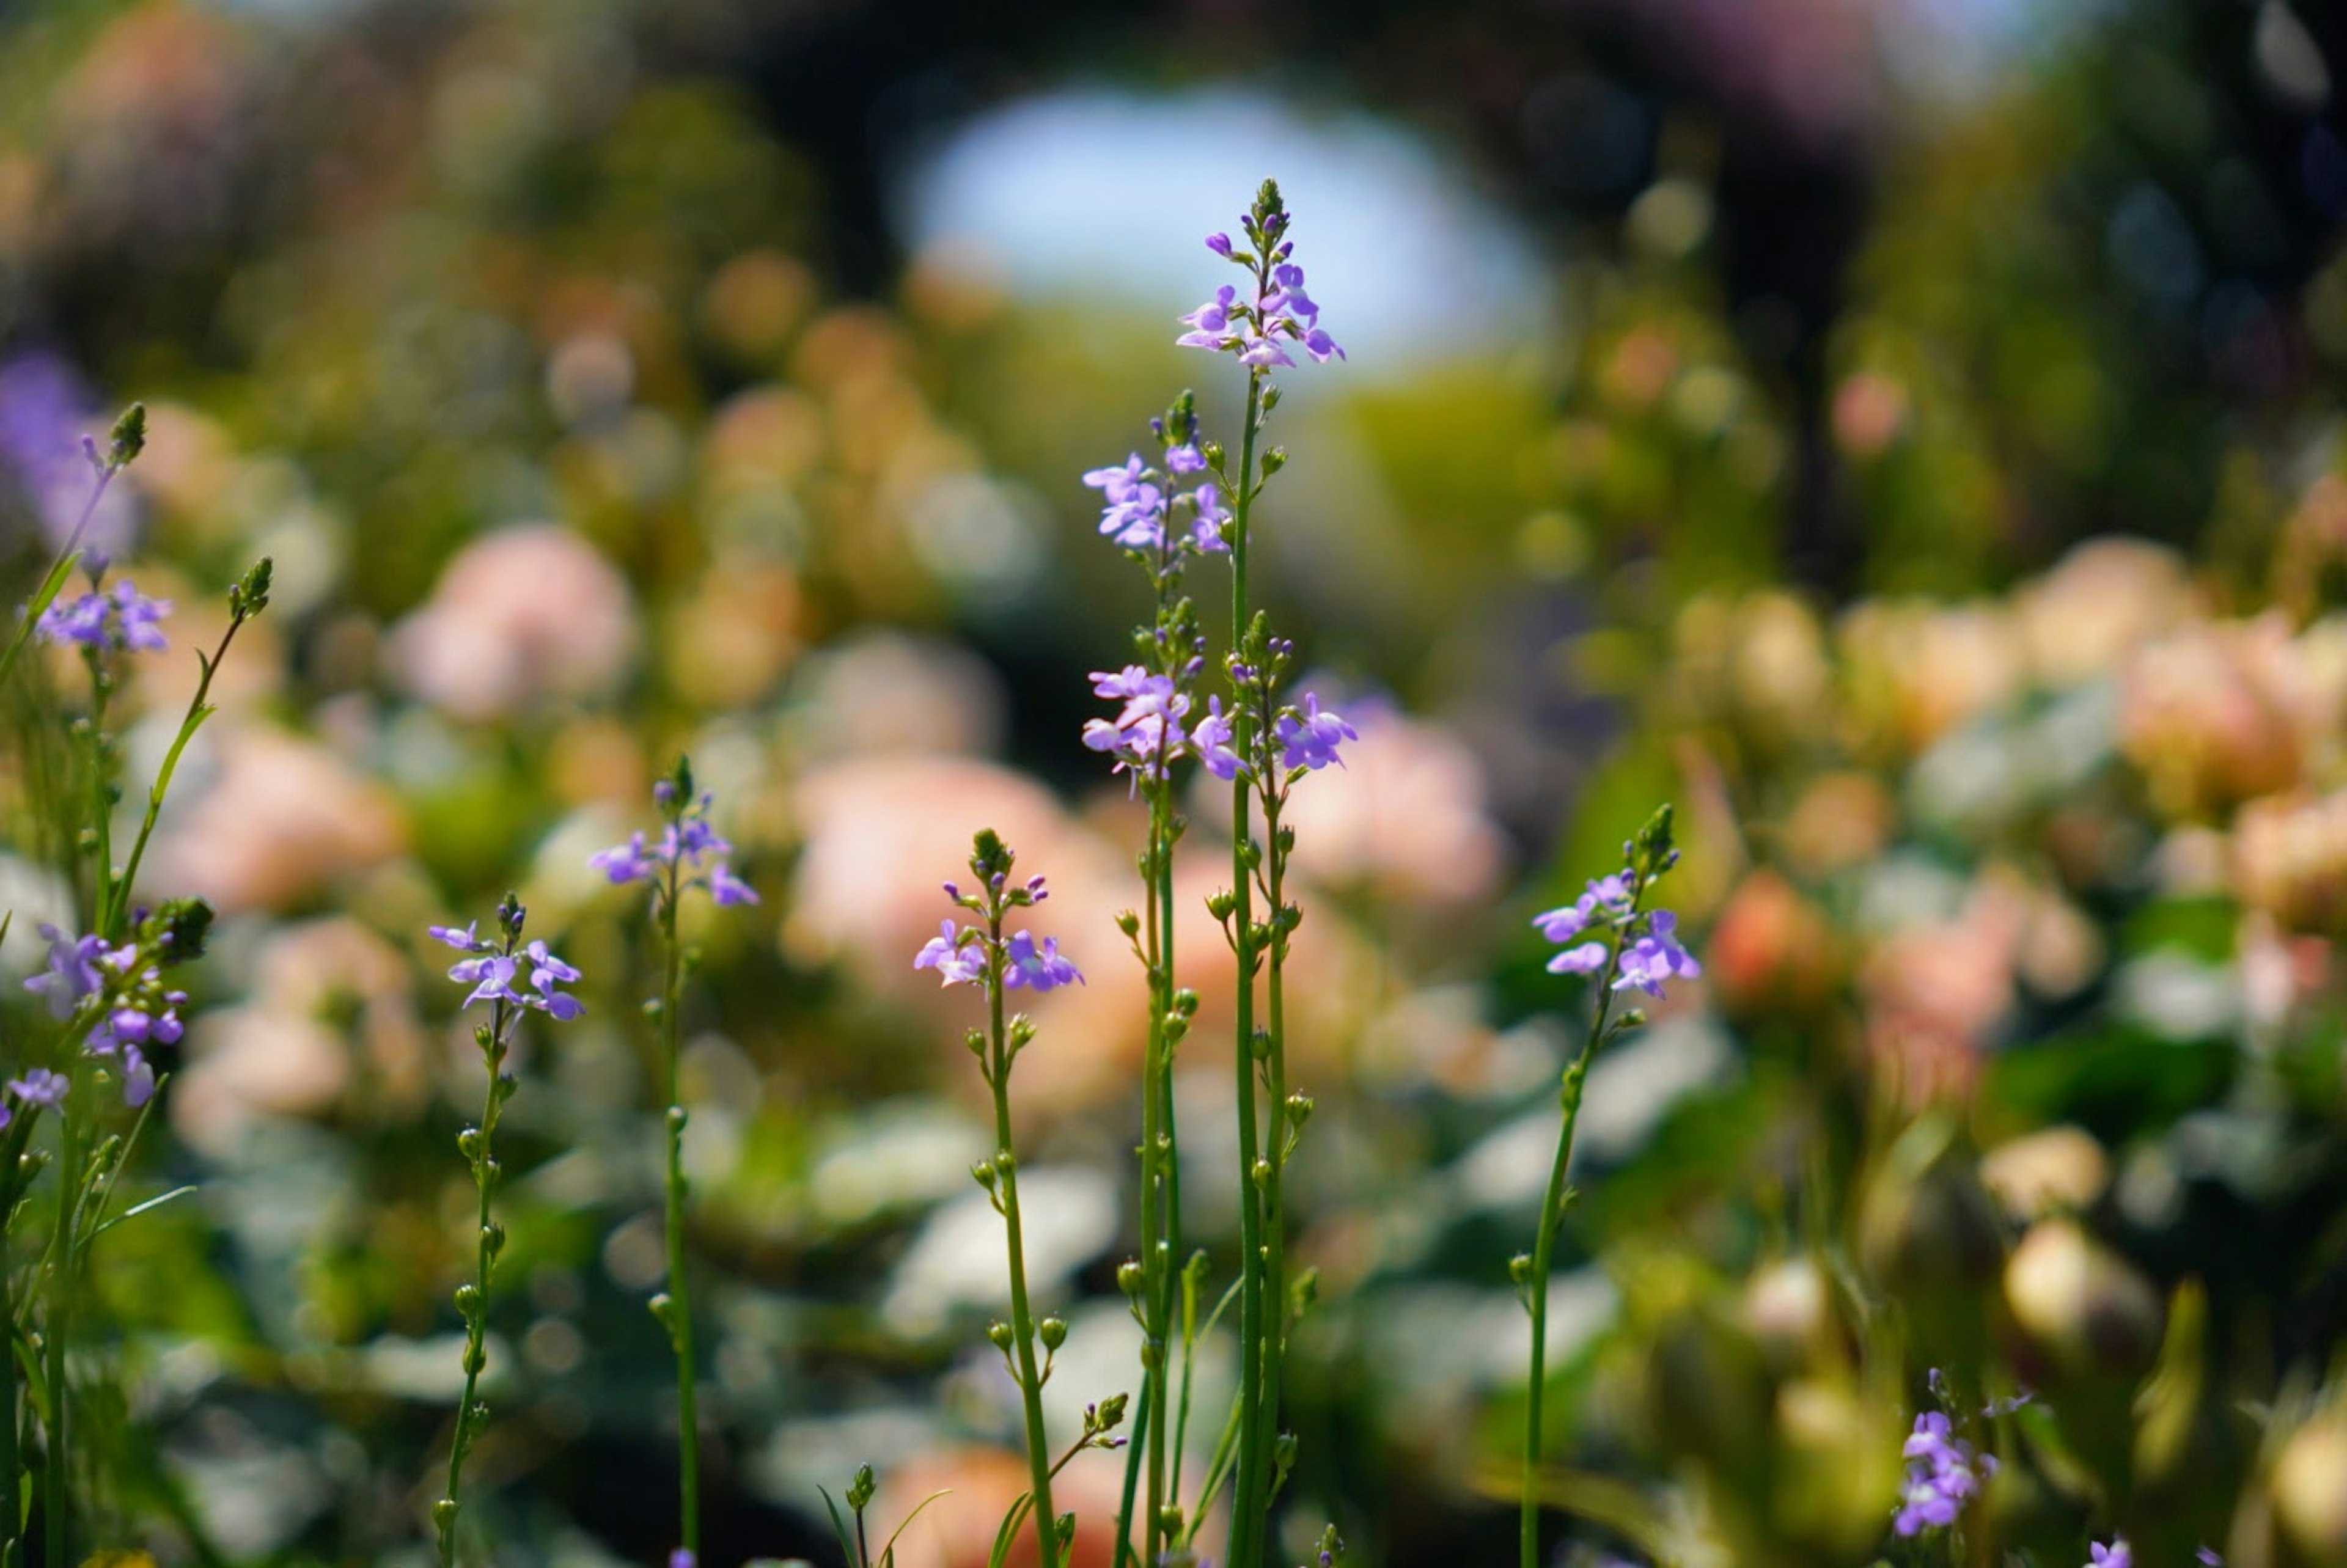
point(954, 953)
point(492, 973)
point(1657, 957)
point(124, 618)
point(1210, 323)
point(2207, 1557)
point(688, 844)
point(1183, 459)
point(1207, 518)
point(1942, 1470)
point(1210, 738)
point(1585, 959)
point(1219, 243)
point(1310, 739)
point(1281, 313)
point(40, 1087)
point(1039, 969)
point(72, 973)
point(682, 1558)
point(2117, 1554)
point(1148, 733)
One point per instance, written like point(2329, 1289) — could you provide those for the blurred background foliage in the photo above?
point(1906, 435)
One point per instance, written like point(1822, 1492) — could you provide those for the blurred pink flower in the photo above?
point(282, 819)
point(528, 613)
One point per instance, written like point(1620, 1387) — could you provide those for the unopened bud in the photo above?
point(1053, 1332)
point(1131, 1277)
point(998, 1334)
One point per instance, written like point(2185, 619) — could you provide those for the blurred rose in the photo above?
point(880, 690)
point(729, 642)
point(331, 1001)
point(1917, 670)
point(1933, 992)
point(1869, 410)
point(1840, 820)
point(2211, 714)
point(1770, 949)
point(281, 819)
point(2054, 1171)
point(527, 613)
point(2104, 599)
point(2289, 860)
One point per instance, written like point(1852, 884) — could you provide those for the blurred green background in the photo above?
point(1906, 435)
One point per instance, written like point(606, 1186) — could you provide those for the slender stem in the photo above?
point(485, 1251)
point(58, 564)
point(11, 1457)
point(55, 1504)
point(1023, 1322)
point(679, 1314)
point(1248, 1501)
point(1554, 1203)
point(113, 912)
point(1274, 1153)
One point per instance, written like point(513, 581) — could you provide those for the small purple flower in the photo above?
point(1148, 733)
point(1039, 969)
point(124, 618)
point(1585, 959)
point(2117, 1554)
point(492, 974)
point(40, 1087)
point(1310, 739)
point(1657, 957)
point(1219, 243)
point(687, 844)
point(682, 1558)
point(1210, 323)
point(72, 973)
point(2207, 1557)
point(954, 953)
point(1942, 1470)
point(1210, 738)
point(1183, 459)
point(1207, 517)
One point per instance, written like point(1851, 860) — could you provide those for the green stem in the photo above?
point(54, 578)
point(55, 1504)
point(1247, 1502)
point(477, 1317)
point(1554, 1203)
point(679, 1306)
point(11, 1461)
point(1023, 1322)
point(117, 906)
point(1275, 1218)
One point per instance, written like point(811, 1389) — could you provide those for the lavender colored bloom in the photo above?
point(1184, 459)
point(1310, 739)
point(1148, 733)
point(1039, 969)
point(1657, 957)
point(1210, 738)
point(688, 843)
point(40, 1087)
point(124, 618)
point(1210, 323)
point(1207, 518)
point(954, 953)
point(72, 973)
point(1281, 313)
point(1942, 1471)
point(2208, 1558)
point(1585, 959)
point(682, 1558)
point(1219, 243)
point(44, 408)
point(2117, 1554)
point(492, 974)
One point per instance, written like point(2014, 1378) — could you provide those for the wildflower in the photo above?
point(2207, 1557)
point(1148, 732)
point(954, 953)
point(124, 618)
point(1039, 969)
point(2117, 1554)
point(72, 973)
point(1657, 957)
point(688, 849)
point(1210, 738)
point(40, 1087)
point(1942, 1470)
point(1585, 959)
point(1281, 313)
point(1309, 738)
point(1207, 515)
point(491, 972)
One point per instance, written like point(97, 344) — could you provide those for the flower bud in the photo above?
point(998, 1334)
point(1130, 1277)
point(1112, 1412)
point(860, 1489)
point(1053, 1332)
point(468, 1299)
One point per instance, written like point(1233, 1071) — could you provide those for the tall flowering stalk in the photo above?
point(1260, 747)
point(513, 979)
point(984, 956)
point(688, 855)
point(1613, 938)
point(1162, 514)
point(105, 988)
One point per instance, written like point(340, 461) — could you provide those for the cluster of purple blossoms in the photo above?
point(1652, 957)
point(1280, 314)
point(688, 841)
point(1307, 739)
point(958, 953)
point(1942, 1470)
point(140, 1010)
point(491, 972)
point(39, 1087)
point(124, 618)
point(1138, 500)
point(1147, 733)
